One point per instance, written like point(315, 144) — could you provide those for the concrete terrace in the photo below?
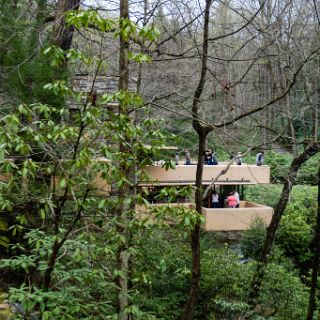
point(245, 174)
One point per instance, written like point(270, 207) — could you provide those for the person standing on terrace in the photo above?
point(260, 158)
point(239, 159)
point(236, 194)
point(188, 158)
point(208, 157)
point(176, 158)
point(232, 200)
point(215, 199)
point(214, 159)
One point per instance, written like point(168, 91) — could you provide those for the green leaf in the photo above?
point(42, 214)
point(63, 183)
point(102, 203)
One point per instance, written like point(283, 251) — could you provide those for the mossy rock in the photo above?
point(5, 312)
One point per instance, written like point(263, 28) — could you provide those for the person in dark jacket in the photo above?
point(187, 158)
point(260, 158)
point(208, 157)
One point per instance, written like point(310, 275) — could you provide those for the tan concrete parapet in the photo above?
point(224, 219)
point(186, 174)
point(236, 219)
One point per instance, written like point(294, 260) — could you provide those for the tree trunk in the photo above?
point(315, 123)
point(291, 126)
point(142, 47)
point(58, 244)
point(316, 118)
point(202, 131)
point(124, 49)
point(51, 263)
point(272, 228)
point(61, 34)
point(124, 193)
point(316, 261)
point(195, 237)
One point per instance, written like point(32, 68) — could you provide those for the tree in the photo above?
point(316, 260)
point(123, 211)
point(273, 226)
point(202, 132)
point(62, 34)
point(61, 176)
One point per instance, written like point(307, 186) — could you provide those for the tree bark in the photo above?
point(316, 117)
point(202, 132)
point(291, 126)
point(62, 34)
point(58, 244)
point(124, 192)
point(316, 261)
point(124, 49)
point(51, 263)
point(315, 123)
point(272, 228)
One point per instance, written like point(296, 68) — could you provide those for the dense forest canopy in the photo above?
point(91, 93)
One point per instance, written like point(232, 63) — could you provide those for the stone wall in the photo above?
point(102, 83)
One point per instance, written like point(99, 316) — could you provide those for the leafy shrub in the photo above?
point(279, 164)
point(161, 274)
point(229, 309)
point(308, 173)
point(263, 194)
point(295, 233)
point(82, 290)
point(253, 239)
point(283, 295)
point(224, 275)
point(225, 285)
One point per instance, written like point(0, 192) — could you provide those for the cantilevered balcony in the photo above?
point(236, 219)
point(224, 219)
point(186, 175)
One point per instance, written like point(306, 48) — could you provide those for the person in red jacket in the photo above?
point(232, 200)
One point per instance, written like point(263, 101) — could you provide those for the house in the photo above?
point(235, 178)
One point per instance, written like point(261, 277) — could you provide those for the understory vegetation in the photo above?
point(84, 280)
